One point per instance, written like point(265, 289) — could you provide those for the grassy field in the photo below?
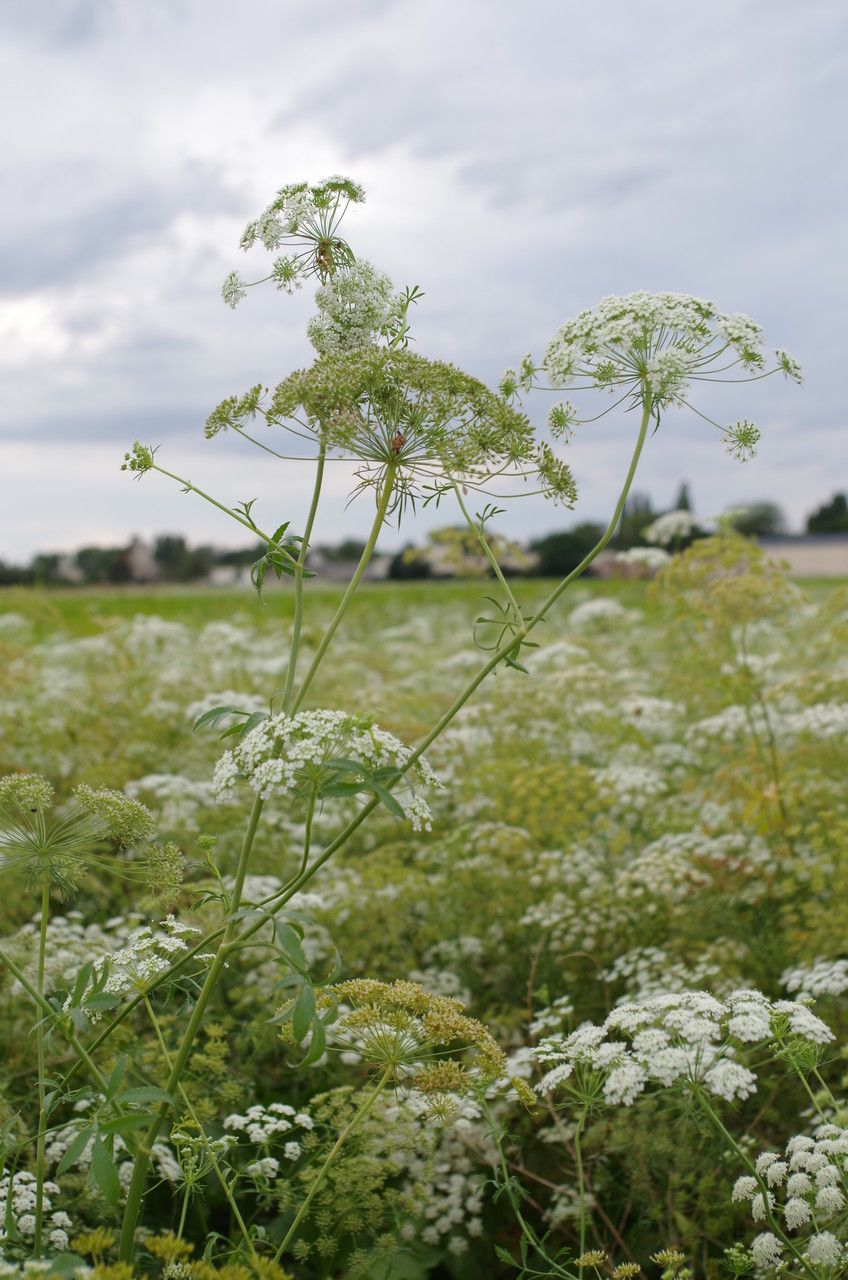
point(658, 806)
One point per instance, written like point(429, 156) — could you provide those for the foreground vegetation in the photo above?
point(672, 819)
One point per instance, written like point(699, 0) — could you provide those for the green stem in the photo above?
point(298, 580)
point(47, 1009)
point(141, 1164)
point(581, 1184)
point(183, 1212)
point(41, 1141)
point(344, 603)
point(477, 530)
point(526, 1230)
point(334, 1151)
point(225, 1187)
point(228, 511)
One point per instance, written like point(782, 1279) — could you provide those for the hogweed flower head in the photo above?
point(139, 459)
point(423, 1039)
point(355, 306)
point(807, 1187)
point(323, 754)
point(648, 349)
point(305, 219)
point(689, 1039)
point(392, 410)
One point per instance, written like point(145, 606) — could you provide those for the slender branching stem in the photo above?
point(210, 1150)
point(141, 1163)
point(40, 1034)
point(370, 1098)
point(228, 511)
point(298, 579)
point(383, 505)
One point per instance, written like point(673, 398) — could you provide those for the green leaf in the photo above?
point(125, 1124)
point(303, 1012)
point(340, 789)
point(318, 1043)
point(81, 984)
point(147, 1093)
point(102, 1001)
point(114, 1082)
point(75, 1150)
point(257, 574)
point(214, 715)
point(342, 765)
point(388, 800)
point(290, 945)
point(104, 1173)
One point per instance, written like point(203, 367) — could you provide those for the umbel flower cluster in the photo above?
point(318, 754)
point(426, 421)
point(419, 1038)
point(650, 348)
point(17, 1211)
point(62, 847)
point(306, 219)
point(689, 1038)
point(803, 1191)
point(133, 968)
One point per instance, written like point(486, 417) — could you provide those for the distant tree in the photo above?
point(179, 562)
point(241, 557)
point(409, 564)
point(99, 564)
point(343, 552)
point(683, 502)
point(559, 553)
point(171, 553)
point(638, 514)
point(830, 518)
point(44, 569)
point(757, 519)
point(11, 575)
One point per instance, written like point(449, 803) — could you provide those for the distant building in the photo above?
point(817, 555)
point(137, 563)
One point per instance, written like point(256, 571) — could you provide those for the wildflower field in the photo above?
point(440, 930)
point(654, 812)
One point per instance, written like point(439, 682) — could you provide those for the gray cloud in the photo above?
point(521, 163)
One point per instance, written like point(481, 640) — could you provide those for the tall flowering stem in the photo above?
point(40, 1031)
point(383, 506)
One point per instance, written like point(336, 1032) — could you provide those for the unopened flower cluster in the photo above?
point(419, 1037)
point(689, 1038)
point(291, 755)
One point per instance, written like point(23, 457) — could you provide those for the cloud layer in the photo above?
point(520, 162)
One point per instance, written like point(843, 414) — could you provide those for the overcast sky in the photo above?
point(521, 161)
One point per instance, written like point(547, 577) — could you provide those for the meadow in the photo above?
point(653, 811)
